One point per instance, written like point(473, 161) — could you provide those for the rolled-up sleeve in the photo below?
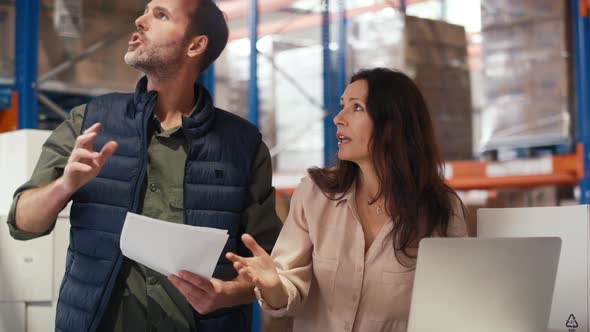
point(292, 256)
point(50, 166)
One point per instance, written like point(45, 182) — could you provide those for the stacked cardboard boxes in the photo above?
point(30, 271)
point(526, 74)
point(100, 20)
point(431, 52)
point(434, 54)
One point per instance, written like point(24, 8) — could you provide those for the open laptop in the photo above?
point(481, 285)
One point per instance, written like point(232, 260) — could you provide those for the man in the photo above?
point(167, 153)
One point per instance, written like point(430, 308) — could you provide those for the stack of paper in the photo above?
point(168, 247)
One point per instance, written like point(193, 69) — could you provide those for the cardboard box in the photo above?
point(19, 152)
point(433, 53)
point(529, 197)
point(571, 224)
point(30, 270)
point(526, 77)
point(26, 267)
point(7, 31)
point(501, 12)
point(104, 68)
point(41, 316)
point(433, 32)
point(12, 317)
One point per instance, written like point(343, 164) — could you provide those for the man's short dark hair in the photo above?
point(207, 19)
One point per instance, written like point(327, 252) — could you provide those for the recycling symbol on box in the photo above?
point(571, 322)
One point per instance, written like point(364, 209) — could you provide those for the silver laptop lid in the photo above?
point(480, 285)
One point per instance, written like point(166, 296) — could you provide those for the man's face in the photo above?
point(160, 43)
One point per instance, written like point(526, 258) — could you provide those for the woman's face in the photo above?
point(354, 124)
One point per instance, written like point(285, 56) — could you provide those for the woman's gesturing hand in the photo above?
point(258, 269)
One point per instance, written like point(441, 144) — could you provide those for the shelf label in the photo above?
point(448, 170)
point(520, 167)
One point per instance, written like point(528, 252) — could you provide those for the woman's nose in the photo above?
point(339, 119)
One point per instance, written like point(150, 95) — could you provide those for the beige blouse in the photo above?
point(332, 284)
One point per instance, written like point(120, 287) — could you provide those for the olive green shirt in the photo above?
point(144, 300)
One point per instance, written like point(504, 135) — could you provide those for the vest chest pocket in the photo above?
point(218, 173)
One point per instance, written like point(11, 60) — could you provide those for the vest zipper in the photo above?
point(139, 181)
point(188, 157)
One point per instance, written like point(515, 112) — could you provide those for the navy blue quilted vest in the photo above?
point(222, 148)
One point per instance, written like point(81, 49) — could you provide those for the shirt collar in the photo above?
point(172, 131)
point(349, 197)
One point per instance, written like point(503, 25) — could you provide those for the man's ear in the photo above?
point(197, 46)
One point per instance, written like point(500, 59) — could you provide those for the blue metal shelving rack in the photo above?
point(253, 97)
point(27, 31)
point(335, 76)
point(581, 42)
point(253, 110)
point(329, 137)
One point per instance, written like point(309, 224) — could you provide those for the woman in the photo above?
point(344, 260)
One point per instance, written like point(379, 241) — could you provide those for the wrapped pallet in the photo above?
point(434, 54)
point(431, 52)
point(286, 115)
point(298, 93)
point(526, 74)
point(64, 34)
point(232, 74)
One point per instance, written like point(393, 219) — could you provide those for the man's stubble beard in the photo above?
point(162, 62)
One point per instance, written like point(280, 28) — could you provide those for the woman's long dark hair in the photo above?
point(406, 159)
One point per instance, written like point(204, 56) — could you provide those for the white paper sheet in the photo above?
point(168, 247)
